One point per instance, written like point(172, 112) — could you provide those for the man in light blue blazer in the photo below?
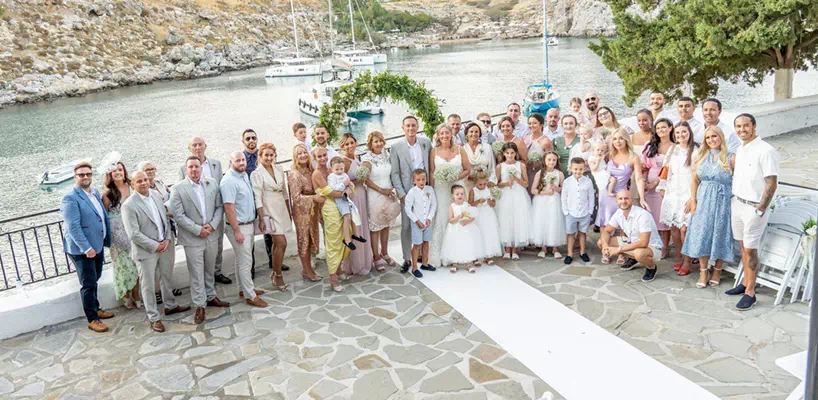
point(87, 232)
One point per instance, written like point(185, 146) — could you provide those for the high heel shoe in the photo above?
point(389, 260)
point(702, 283)
point(715, 282)
point(343, 276)
point(281, 288)
point(311, 279)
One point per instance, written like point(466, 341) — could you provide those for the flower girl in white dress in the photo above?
point(461, 243)
point(547, 220)
point(514, 204)
point(481, 198)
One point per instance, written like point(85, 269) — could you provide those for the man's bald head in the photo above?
point(197, 147)
point(552, 116)
point(140, 182)
point(592, 100)
point(238, 162)
point(624, 199)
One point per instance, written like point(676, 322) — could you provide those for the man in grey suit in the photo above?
point(407, 155)
point(211, 168)
point(146, 222)
point(196, 204)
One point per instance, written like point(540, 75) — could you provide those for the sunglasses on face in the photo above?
point(149, 170)
point(84, 175)
point(485, 121)
point(590, 99)
point(249, 138)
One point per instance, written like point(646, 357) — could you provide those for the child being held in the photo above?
point(339, 181)
point(462, 243)
point(587, 140)
point(598, 167)
point(481, 198)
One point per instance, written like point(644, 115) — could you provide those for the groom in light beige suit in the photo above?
point(198, 210)
point(407, 155)
point(146, 222)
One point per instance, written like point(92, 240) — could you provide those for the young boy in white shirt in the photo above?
point(577, 205)
point(339, 181)
point(420, 206)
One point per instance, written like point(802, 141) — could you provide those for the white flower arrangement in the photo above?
point(534, 156)
point(809, 227)
point(362, 173)
point(512, 171)
point(495, 193)
point(497, 146)
point(447, 173)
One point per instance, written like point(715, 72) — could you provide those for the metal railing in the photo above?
point(31, 250)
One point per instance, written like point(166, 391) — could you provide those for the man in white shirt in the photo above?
point(420, 207)
point(711, 111)
point(656, 105)
point(321, 135)
point(755, 180)
point(521, 130)
point(408, 155)
point(552, 127)
point(578, 200)
point(145, 220)
point(686, 107)
point(640, 238)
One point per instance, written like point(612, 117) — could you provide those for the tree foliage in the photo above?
point(698, 42)
point(379, 18)
point(368, 87)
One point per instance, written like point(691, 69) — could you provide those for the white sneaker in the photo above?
point(557, 255)
point(541, 254)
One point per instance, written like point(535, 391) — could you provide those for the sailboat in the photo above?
point(295, 66)
point(540, 97)
point(358, 58)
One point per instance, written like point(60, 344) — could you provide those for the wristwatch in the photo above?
point(619, 248)
point(759, 213)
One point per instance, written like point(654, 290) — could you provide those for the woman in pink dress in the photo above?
point(653, 157)
point(360, 261)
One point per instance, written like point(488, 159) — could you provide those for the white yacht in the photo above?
point(295, 66)
point(355, 58)
point(310, 103)
point(60, 174)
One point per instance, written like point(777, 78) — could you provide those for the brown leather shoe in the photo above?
point(257, 302)
point(259, 292)
point(176, 310)
point(217, 303)
point(158, 326)
point(102, 314)
point(200, 316)
point(97, 326)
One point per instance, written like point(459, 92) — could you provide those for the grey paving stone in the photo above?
point(693, 376)
point(613, 318)
point(640, 326)
point(306, 301)
point(174, 379)
point(577, 290)
point(343, 373)
point(685, 354)
point(27, 356)
point(299, 313)
point(299, 382)
point(658, 301)
point(406, 290)
point(450, 380)
point(315, 352)
point(159, 343)
point(314, 292)
point(223, 332)
point(713, 309)
point(429, 335)
point(431, 319)
point(323, 316)
point(412, 355)
point(481, 337)
point(35, 389)
point(133, 391)
point(53, 343)
point(766, 355)
point(687, 322)
point(224, 320)
point(408, 376)
point(214, 360)
point(512, 364)
point(296, 336)
point(460, 396)
point(241, 388)
point(361, 320)
point(310, 326)
point(565, 299)
point(731, 370)
point(365, 302)
point(346, 312)
point(443, 361)
point(76, 349)
point(675, 336)
point(456, 345)
point(391, 279)
point(624, 292)
point(370, 342)
point(509, 390)
point(410, 315)
point(387, 295)
point(343, 354)
point(756, 329)
point(460, 323)
point(789, 322)
point(650, 348)
point(404, 304)
point(158, 360)
point(724, 391)
point(734, 345)
point(376, 385)
point(323, 338)
point(214, 382)
point(590, 308)
point(325, 389)
point(343, 330)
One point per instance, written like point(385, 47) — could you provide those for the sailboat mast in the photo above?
point(545, 35)
point(295, 32)
point(331, 30)
point(351, 23)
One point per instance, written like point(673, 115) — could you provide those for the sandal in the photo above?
point(677, 267)
point(702, 283)
point(541, 254)
point(380, 265)
point(715, 282)
point(453, 270)
point(557, 255)
point(605, 260)
point(281, 288)
point(683, 271)
point(477, 263)
point(389, 261)
point(311, 279)
point(470, 269)
point(490, 261)
point(621, 259)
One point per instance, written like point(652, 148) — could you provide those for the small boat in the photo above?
point(60, 174)
point(311, 102)
point(289, 67)
point(356, 58)
point(540, 97)
point(552, 41)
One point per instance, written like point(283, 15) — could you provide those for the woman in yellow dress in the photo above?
point(333, 222)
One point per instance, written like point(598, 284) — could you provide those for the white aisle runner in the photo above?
point(572, 354)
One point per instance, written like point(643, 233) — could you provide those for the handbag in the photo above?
point(665, 171)
point(386, 210)
point(269, 227)
point(354, 214)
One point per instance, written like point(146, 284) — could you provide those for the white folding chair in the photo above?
point(776, 257)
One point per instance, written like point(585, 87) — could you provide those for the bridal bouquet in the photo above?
point(447, 173)
point(362, 173)
point(495, 193)
point(497, 146)
point(512, 171)
point(534, 156)
point(550, 180)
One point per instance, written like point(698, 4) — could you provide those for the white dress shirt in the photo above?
point(154, 214)
point(577, 196)
point(552, 134)
point(206, 171)
point(97, 208)
point(638, 221)
point(198, 188)
point(416, 154)
point(421, 204)
point(754, 162)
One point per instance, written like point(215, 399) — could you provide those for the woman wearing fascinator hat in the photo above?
point(117, 189)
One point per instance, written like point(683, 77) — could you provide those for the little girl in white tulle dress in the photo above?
point(547, 220)
point(462, 244)
point(481, 198)
point(514, 204)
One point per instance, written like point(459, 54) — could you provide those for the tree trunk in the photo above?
point(783, 83)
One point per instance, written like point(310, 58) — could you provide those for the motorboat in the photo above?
point(356, 58)
point(287, 67)
point(311, 102)
point(540, 97)
point(552, 41)
point(60, 174)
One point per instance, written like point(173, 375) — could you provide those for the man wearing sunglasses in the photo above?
point(484, 121)
point(592, 101)
point(87, 233)
point(250, 141)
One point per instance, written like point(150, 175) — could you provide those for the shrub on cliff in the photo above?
point(379, 18)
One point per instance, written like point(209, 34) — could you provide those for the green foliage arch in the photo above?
point(367, 87)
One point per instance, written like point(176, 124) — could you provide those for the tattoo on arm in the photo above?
point(770, 185)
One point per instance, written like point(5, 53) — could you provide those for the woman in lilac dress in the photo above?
point(653, 157)
point(623, 164)
point(360, 261)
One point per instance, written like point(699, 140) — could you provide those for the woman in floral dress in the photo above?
point(126, 275)
point(378, 187)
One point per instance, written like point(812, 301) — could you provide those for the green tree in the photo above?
point(698, 42)
point(378, 18)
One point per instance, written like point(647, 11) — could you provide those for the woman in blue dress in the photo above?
point(709, 235)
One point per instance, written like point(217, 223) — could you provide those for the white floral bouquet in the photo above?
point(809, 227)
point(362, 173)
point(534, 156)
point(497, 146)
point(550, 180)
point(447, 173)
point(512, 171)
point(495, 193)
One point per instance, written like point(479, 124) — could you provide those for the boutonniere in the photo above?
point(428, 195)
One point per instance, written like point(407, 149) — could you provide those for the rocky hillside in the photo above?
point(56, 48)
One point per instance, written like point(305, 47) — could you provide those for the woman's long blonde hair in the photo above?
point(308, 170)
point(704, 150)
point(437, 131)
point(628, 146)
